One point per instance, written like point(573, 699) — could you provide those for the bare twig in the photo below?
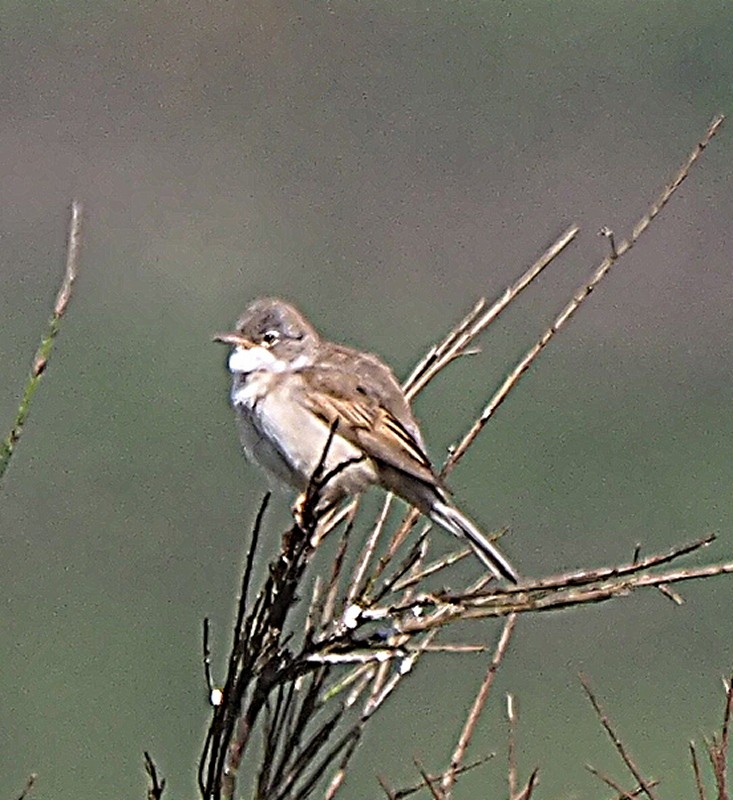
point(478, 706)
point(697, 773)
point(621, 793)
point(432, 784)
point(356, 586)
point(637, 565)
point(478, 320)
point(214, 693)
point(40, 360)
point(718, 747)
point(578, 298)
point(387, 788)
point(333, 585)
point(400, 794)
point(609, 781)
point(589, 586)
point(511, 746)
point(28, 787)
point(156, 785)
point(645, 785)
point(528, 790)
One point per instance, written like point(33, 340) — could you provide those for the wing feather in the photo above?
point(371, 412)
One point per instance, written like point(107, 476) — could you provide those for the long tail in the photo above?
point(452, 520)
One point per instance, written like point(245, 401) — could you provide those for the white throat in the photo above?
point(243, 360)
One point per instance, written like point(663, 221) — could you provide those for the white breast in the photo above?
point(285, 438)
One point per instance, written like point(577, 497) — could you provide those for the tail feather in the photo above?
point(452, 520)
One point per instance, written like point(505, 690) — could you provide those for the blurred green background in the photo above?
point(382, 164)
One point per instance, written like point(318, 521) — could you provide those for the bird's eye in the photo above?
point(269, 338)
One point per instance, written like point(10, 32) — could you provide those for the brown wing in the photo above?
point(361, 392)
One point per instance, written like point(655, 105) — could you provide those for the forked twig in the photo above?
point(478, 320)
point(157, 784)
point(645, 785)
point(610, 782)
point(478, 706)
point(575, 588)
point(432, 784)
point(400, 794)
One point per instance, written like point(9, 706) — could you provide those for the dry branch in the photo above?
point(645, 785)
point(697, 773)
point(156, 785)
point(578, 298)
point(477, 708)
point(717, 750)
point(28, 787)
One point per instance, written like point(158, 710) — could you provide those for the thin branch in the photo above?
point(249, 566)
point(386, 788)
point(531, 785)
point(438, 609)
point(476, 322)
point(578, 299)
point(157, 784)
point(333, 584)
point(697, 773)
point(28, 786)
point(617, 743)
point(621, 793)
point(718, 747)
point(356, 583)
point(438, 351)
point(432, 784)
point(584, 577)
point(478, 706)
point(400, 794)
point(511, 746)
point(40, 360)
point(214, 693)
point(609, 781)
point(432, 568)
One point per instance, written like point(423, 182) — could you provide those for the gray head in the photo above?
point(271, 335)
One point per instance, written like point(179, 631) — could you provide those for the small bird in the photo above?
point(292, 389)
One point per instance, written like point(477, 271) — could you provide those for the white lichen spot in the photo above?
point(351, 616)
point(406, 665)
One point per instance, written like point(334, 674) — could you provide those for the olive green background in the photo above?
point(383, 165)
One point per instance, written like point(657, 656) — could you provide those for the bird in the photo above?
point(292, 389)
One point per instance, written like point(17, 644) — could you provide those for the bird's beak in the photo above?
point(234, 339)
